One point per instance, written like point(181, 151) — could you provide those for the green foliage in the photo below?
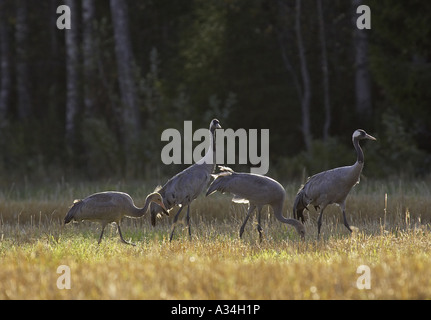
point(400, 63)
point(194, 60)
point(395, 151)
point(322, 156)
point(102, 149)
point(29, 148)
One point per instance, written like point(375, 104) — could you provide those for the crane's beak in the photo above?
point(370, 137)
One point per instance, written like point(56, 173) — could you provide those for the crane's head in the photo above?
point(299, 228)
point(361, 134)
point(157, 199)
point(215, 124)
point(155, 210)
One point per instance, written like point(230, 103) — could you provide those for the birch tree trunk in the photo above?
point(24, 105)
point(88, 55)
point(362, 74)
point(125, 62)
point(128, 92)
point(72, 74)
point(325, 71)
point(306, 85)
point(302, 82)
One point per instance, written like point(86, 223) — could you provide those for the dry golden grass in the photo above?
point(393, 241)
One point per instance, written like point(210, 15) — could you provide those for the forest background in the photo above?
point(92, 101)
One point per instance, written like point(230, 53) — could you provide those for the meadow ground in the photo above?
point(392, 239)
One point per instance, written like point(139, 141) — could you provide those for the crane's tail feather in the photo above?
point(212, 188)
point(73, 210)
point(158, 188)
point(299, 205)
point(219, 183)
point(225, 169)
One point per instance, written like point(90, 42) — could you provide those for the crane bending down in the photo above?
point(187, 185)
point(110, 206)
point(331, 186)
point(257, 191)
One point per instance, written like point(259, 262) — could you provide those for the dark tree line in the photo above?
point(93, 100)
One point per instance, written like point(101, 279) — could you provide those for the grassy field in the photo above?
point(392, 238)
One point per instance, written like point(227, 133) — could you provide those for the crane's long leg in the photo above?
point(343, 208)
point(101, 234)
point(175, 222)
point(188, 221)
point(319, 222)
point(121, 236)
point(259, 228)
point(250, 210)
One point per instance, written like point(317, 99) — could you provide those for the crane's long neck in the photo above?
point(210, 156)
point(359, 153)
point(278, 212)
point(139, 212)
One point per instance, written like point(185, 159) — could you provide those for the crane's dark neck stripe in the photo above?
point(213, 139)
point(359, 152)
point(213, 135)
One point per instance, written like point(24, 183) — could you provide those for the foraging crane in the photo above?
point(187, 185)
point(257, 191)
point(110, 206)
point(331, 186)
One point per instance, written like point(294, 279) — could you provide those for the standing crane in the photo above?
point(110, 206)
point(188, 184)
point(331, 186)
point(257, 191)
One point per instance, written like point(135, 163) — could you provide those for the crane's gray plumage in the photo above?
point(258, 191)
point(331, 186)
point(109, 206)
point(188, 184)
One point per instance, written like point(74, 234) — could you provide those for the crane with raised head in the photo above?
point(331, 186)
point(187, 185)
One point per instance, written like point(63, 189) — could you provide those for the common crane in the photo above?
point(257, 191)
point(188, 184)
point(331, 186)
point(109, 206)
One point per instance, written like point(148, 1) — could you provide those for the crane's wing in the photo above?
point(182, 188)
point(187, 185)
point(247, 187)
point(98, 204)
point(331, 186)
point(108, 199)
